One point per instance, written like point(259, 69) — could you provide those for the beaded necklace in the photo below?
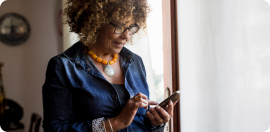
point(108, 70)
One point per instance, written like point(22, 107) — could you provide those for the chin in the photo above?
point(117, 51)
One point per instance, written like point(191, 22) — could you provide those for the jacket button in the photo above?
point(88, 69)
point(78, 62)
point(115, 98)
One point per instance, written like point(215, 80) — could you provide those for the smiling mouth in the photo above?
point(119, 43)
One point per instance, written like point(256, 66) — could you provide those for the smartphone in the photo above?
point(174, 97)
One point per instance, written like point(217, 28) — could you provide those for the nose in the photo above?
point(125, 35)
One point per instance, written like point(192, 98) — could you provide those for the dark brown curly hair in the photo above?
point(86, 17)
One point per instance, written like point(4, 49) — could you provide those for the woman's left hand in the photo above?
point(159, 116)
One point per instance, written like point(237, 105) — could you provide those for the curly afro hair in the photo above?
point(86, 17)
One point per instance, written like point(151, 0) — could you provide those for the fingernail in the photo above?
point(151, 109)
point(171, 102)
point(158, 107)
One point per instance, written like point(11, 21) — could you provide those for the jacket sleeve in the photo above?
point(57, 102)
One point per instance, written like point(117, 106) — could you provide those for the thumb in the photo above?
point(175, 102)
point(150, 102)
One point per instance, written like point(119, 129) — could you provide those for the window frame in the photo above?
point(171, 59)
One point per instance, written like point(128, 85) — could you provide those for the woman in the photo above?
point(98, 84)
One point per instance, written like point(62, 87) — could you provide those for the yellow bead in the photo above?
point(99, 59)
point(105, 62)
point(94, 56)
point(90, 52)
point(111, 62)
point(114, 60)
point(115, 56)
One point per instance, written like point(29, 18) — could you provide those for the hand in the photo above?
point(126, 116)
point(159, 116)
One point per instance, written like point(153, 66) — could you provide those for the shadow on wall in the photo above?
point(59, 24)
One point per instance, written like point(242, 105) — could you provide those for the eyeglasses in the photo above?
point(132, 29)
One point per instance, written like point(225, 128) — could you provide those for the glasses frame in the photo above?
point(115, 26)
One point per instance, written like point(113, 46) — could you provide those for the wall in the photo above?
point(224, 65)
point(25, 65)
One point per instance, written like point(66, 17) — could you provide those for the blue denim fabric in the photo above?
point(75, 92)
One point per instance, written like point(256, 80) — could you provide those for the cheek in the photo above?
point(107, 34)
point(113, 37)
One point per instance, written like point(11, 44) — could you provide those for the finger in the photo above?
point(151, 118)
point(156, 115)
point(166, 108)
point(175, 102)
point(141, 104)
point(141, 100)
point(163, 114)
point(170, 108)
point(137, 97)
point(146, 107)
point(136, 104)
point(141, 95)
point(150, 102)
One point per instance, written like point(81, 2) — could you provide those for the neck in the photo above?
point(100, 53)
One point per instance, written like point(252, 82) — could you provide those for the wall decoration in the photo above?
point(14, 29)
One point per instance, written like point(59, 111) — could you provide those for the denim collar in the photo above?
point(76, 52)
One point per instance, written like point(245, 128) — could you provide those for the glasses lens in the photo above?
point(133, 30)
point(119, 29)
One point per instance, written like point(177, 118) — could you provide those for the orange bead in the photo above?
point(115, 56)
point(94, 56)
point(114, 59)
point(90, 52)
point(111, 62)
point(99, 59)
point(105, 62)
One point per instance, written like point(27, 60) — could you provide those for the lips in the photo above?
point(119, 44)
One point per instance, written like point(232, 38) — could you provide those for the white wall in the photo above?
point(25, 65)
point(224, 65)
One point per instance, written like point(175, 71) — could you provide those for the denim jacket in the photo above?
point(75, 92)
